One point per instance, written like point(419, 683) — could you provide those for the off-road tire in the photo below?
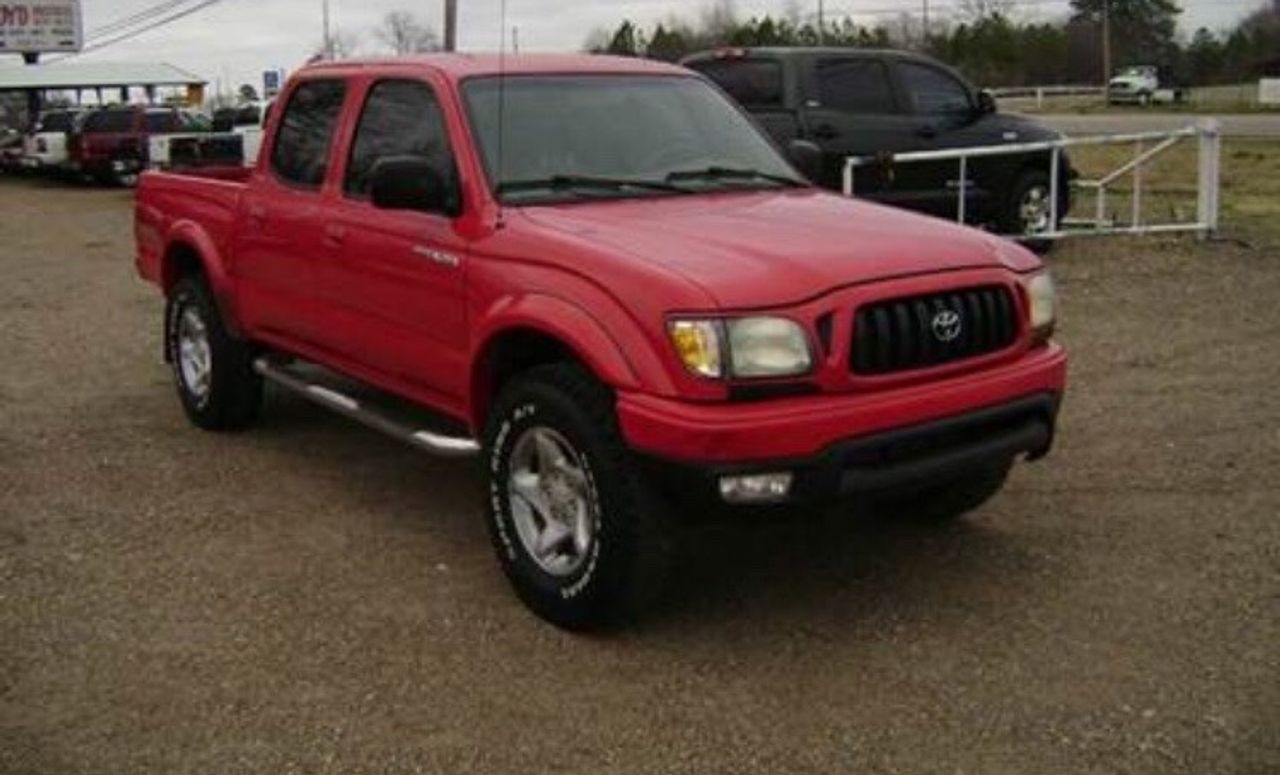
point(952, 499)
point(234, 397)
point(624, 570)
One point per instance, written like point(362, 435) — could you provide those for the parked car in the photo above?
point(111, 144)
point(1144, 85)
point(867, 103)
point(616, 315)
point(10, 148)
point(45, 148)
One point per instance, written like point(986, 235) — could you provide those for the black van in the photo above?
point(866, 103)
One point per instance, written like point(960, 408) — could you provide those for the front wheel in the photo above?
point(574, 525)
point(1028, 211)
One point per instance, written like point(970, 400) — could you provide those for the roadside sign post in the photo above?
point(32, 27)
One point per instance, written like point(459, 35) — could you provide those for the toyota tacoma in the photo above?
point(601, 277)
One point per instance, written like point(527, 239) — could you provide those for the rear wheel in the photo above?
point(212, 370)
point(574, 525)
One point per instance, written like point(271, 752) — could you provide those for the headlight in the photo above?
point(1043, 302)
point(697, 342)
point(768, 347)
point(750, 347)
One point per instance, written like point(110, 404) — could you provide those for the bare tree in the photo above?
point(403, 33)
point(341, 45)
point(977, 10)
point(719, 18)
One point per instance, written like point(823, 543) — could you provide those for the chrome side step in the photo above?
point(428, 441)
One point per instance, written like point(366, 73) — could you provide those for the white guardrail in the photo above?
point(1146, 146)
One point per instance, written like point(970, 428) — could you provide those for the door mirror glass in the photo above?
point(986, 103)
point(807, 157)
point(412, 183)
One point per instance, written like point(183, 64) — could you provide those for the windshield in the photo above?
point(569, 137)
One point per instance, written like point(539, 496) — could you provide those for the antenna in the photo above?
point(502, 106)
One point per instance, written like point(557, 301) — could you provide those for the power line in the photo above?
point(135, 18)
point(200, 6)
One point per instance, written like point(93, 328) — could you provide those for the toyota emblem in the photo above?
point(947, 325)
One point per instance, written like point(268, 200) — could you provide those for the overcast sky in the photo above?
point(234, 40)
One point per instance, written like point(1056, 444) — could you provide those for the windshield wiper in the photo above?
point(562, 182)
point(734, 173)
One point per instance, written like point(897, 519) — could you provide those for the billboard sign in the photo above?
point(40, 25)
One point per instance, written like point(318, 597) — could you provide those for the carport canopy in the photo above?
point(71, 76)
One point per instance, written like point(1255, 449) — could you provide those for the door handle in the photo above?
point(257, 215)
point(825, 132)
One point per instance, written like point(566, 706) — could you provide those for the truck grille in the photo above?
point(923, 331)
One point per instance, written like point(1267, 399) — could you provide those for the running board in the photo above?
point(428, 441)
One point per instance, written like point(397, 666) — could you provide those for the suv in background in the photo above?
point(861, 102)
point(111, 144)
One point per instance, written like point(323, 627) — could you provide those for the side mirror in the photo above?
point(413, 183)
point(986, 103)
point(807, 157)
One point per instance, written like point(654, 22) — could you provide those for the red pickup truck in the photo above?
point(599, 275)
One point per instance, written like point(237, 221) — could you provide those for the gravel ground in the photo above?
point(311, 597)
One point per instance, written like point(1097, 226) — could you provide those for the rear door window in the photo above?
point(855, 85)
point(109, 121)
point(400, 118)
point(300, 155)
point(161, 123)
point(754, 83)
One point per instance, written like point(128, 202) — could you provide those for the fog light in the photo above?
point(756, 488)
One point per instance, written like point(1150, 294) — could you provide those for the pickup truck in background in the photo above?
point(868, 103)
point(1145, 85)
point(45, 148)
point(236, 139)
point(620, 317)
point(111, 144)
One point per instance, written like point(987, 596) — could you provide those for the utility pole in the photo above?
point(450, 25)
point(924, 25)
point(822, 23)
point(328, 34)
point(1106, 51)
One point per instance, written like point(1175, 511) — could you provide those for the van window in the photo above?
point(753, 83)
point(63, 121)
point(400, 118)
point(161, 123)
point(856, 85)
point(300, 154)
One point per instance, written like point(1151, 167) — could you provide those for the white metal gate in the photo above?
point(1146, 146)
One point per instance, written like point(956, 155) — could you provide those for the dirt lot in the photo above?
point(310, 597)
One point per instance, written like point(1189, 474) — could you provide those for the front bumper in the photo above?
point(842, 444)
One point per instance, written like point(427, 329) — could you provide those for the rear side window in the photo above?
point(855, 86)
point(754, 83)
point(158, 123)
point(400, 118)
point(113, 121)
point(934, 92)
point(300, 154)
point(57, 122)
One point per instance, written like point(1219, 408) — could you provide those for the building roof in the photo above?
point(464, 65)
point(73, 75)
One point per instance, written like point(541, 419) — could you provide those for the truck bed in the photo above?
point(201, 202)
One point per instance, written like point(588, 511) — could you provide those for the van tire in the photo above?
point(622, 568)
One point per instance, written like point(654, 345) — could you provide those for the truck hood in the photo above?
point(753, 250)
